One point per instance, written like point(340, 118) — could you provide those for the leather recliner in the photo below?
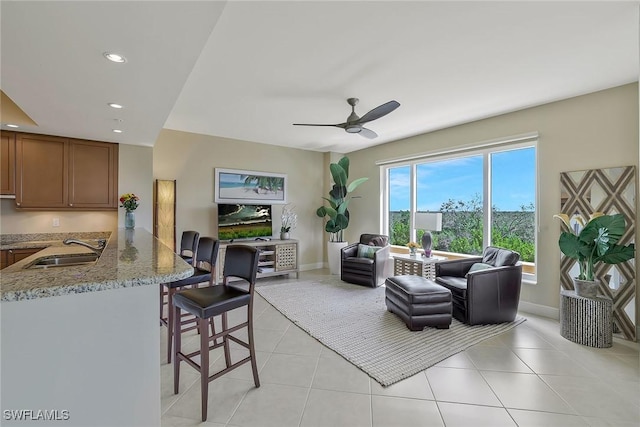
point(364, 270)
point(490, 292)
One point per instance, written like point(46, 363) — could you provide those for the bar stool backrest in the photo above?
point(241, 261)
point(207, 254)
point(189, 243)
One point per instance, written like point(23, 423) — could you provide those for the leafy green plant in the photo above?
point(338, 200)
point(594, 241)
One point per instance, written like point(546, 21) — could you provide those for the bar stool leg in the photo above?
point(170, 322)
point(225, 340)
point(178, 349)
point(162, 302)
point(213, 328)
point(252, 351)
point(204, 364)
point(194, 286)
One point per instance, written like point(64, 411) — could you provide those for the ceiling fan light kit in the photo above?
point(354, 122)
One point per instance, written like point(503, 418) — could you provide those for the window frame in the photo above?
point(486, 149)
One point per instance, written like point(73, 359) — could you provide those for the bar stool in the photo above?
point(203, 271)
point(241, 261)
point(188, 245)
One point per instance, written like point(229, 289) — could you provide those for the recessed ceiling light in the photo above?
point(117, 131)
point(114, 57)
point(12, 126)
point(114, 105)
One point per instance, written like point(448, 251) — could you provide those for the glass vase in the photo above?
point(129, 220)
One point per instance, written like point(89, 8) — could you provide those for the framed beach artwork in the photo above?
point(240, 186)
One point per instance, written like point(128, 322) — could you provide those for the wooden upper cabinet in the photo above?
point(41, 171)
point(62, 173)
point(93, 172)
point(8, 159)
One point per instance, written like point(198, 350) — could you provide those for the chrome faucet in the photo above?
point(97, 249)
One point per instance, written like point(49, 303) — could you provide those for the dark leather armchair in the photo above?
point(364, 270)
point(490, 292)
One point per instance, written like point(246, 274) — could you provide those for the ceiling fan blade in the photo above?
point(338, 125)
point(379, 111)
point(368, 133)
point(313, 124)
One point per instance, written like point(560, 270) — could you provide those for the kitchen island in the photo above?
point(80, 344)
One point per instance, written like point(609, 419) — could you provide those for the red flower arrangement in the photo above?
point(129, 201)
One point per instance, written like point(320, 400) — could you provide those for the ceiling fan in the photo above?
point(354, 123)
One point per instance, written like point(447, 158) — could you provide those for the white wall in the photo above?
point(190, 159)
point(135, 175)
point(598, 130)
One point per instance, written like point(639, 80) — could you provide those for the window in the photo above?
point(512, 192)
point(399, 185)
point(453, 187)
point(486, 196)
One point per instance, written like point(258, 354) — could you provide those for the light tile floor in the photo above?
point(528, 376)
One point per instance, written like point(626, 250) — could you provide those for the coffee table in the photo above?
point(416, 265)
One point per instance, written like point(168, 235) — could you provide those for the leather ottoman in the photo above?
point(418, 301)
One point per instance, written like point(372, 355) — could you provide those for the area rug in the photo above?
point(354, 322)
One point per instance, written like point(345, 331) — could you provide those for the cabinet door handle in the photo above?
point(17, 203)
point(70, 204)
point(10, 251)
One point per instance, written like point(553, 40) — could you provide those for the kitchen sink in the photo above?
point(64, 261)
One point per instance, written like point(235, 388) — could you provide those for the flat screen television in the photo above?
point(244, 221)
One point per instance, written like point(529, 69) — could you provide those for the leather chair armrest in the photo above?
point(382, 255)
point(455, 267)
point(493, 295)
point(380, 259)
point(349, 251)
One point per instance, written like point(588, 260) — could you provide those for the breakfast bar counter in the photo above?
point(81, 342)
point(131, 258)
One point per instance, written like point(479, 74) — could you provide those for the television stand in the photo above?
point(277, 257)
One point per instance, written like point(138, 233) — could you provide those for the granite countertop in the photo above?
point(131, 258)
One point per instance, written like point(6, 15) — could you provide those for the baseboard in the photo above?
point(316, 266)
point(539, 310)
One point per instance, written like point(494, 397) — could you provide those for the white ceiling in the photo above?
point(248, 70)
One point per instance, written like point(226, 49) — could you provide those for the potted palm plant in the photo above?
point(591, 243)
point(336, 211)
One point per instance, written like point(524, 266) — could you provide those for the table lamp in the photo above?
point(428, 221)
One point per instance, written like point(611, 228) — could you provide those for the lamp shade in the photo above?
point(429, 221)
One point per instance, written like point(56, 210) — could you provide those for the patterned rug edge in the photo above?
point(392, 379)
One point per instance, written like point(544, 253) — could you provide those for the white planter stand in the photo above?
point(333, 255)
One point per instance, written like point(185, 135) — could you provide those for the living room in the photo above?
point(571, 134)
point(597, 129)
point(576, 125)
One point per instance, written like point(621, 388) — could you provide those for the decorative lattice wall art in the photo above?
point(611, 191)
